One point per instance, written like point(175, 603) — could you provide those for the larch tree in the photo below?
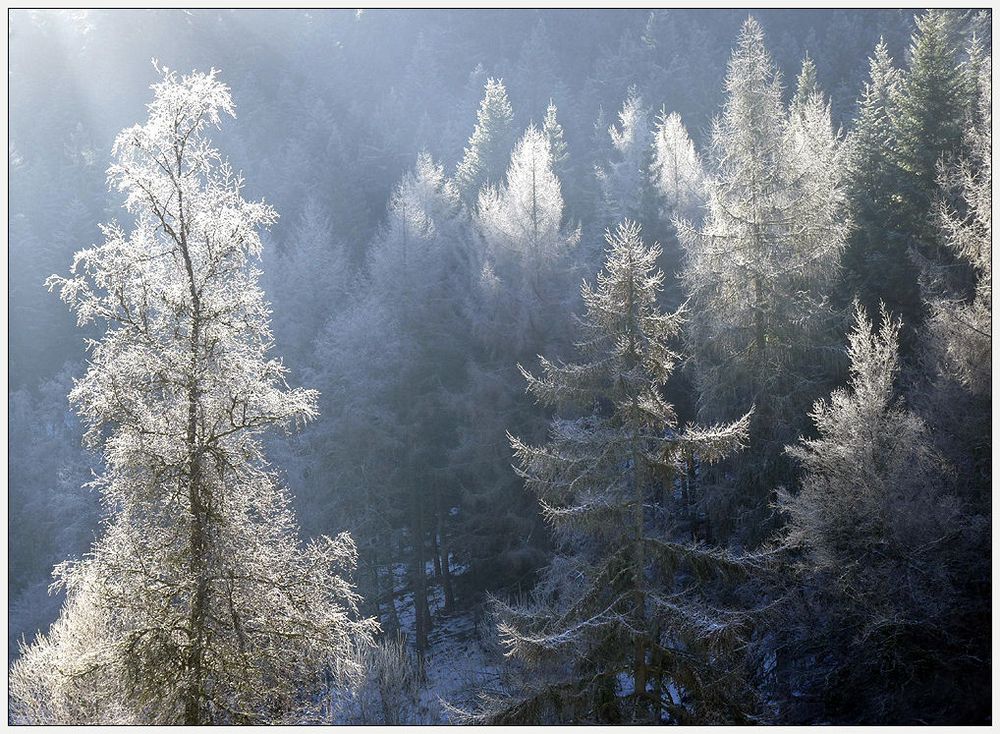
point(758, 272)
point(486, 154)
point(883, 545)
point(676, 170)
point(613, 633)
point(518, 306)
point(198, 604)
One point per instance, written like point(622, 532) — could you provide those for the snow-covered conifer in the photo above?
point(612, 606)
point(486, 153)
point(676, 169)
point(623, 178)
point(759, 269)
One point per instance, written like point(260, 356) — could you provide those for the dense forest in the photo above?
point(499, 366)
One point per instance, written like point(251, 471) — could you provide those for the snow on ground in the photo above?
point(456, 665)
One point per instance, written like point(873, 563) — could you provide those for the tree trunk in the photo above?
point(421, 613)
point(199, 504)
point(449, 592)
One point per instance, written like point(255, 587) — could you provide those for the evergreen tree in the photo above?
point(929, 115)
point(557, 144)
point(958, 338)
point(758, 273)
point(614, 605)
point(961, 328)
point(486, 154)
point(535, 79)
point(50, 518)
point(198, 604)
point(806, 86)
point(624, 176)
point(676, 170)
point(311, 277)
point(876, 264)
point(394, 355)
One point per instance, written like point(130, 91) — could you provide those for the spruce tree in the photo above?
point(392, 357)
point(198, 604)
point(486, 153)
point(611, 633)
point(535, 78)
point(311, 277)
point(929, 115)
point(876, 264)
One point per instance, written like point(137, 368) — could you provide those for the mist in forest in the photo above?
point(499, 366)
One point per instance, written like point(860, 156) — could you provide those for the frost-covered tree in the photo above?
point(486, 154)
point(623, 178)
point(612, 632)
point(518, 305)
point(557, 143)
point(883, 549)
point(758, 272)
point(676, 169)
point(958, 339)
point(521, 225)
point(311, 277)
point(961, 328)
point(198, 604)
point(806, 85)
point(524, 217)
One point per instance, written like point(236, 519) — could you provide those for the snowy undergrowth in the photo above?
point(455, 666)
